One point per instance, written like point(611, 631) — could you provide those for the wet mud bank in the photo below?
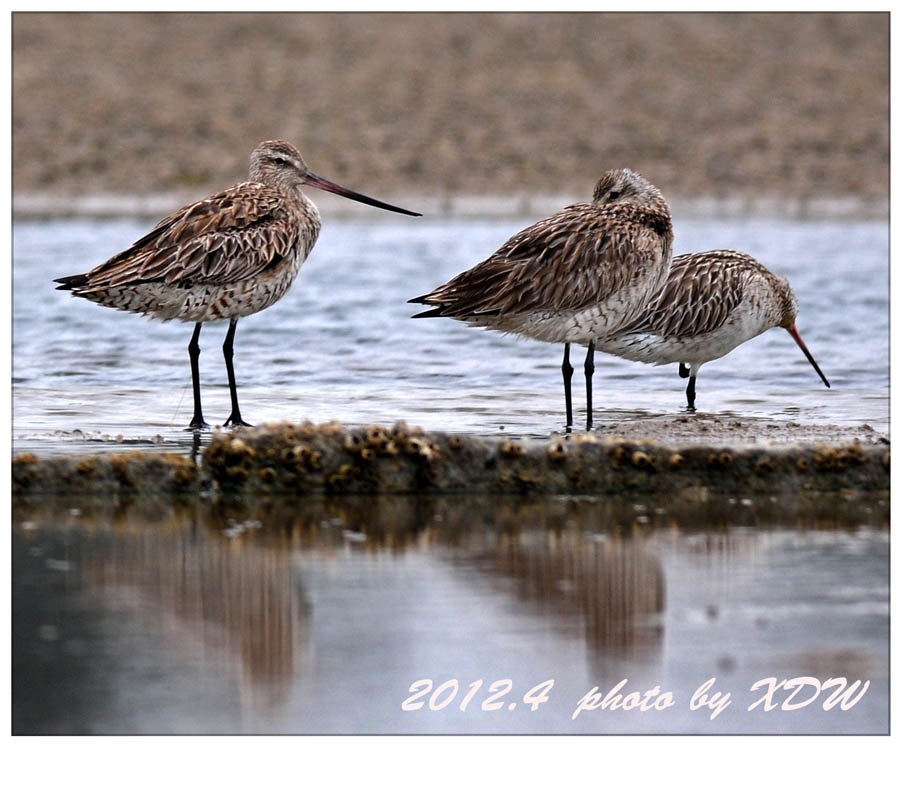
point(320, 460)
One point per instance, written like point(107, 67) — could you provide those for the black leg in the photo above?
point(567, 386)
point(589, 383)
point(234, 419)
point(691, 394)
point(197, 421)
point(683, 371)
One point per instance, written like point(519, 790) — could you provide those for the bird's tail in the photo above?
point(435, 311)
point(71, 282)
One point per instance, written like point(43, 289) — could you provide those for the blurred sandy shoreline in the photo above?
point(781, 114)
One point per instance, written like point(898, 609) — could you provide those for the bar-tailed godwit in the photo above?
point(711, 303)
point(576, 277)
point(225, 257)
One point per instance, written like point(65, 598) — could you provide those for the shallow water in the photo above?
point(341, 345)
point(318, 616)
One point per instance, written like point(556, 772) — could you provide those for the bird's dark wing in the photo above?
point(573, 259)
point(701, 291)
point(229, 236)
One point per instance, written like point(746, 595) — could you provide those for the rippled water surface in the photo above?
point(341, 345)
point(314, 616)
point(311, 616)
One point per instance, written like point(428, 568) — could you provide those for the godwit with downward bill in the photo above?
point(711, 303)
point(576, 277)
point(225, 257)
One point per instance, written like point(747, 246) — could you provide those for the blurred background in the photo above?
point(787, 106)
point(316, 617)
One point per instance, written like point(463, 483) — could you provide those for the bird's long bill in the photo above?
point(314, 180)
point(796, 335)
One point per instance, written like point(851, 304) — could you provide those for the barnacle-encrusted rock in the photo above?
point(327, 458)
point(132, 473)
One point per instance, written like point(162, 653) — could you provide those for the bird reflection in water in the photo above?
point(230, 582)
point(236, 608)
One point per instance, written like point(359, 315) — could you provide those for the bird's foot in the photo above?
point(197, 424)
point(237, 420)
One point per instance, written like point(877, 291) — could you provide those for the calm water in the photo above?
point(341, 345)
point(318, 616)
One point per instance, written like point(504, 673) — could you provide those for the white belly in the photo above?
point(574, 326)
point(659, 350)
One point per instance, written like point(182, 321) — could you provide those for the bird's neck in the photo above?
point(306, 205)
point(658, 204)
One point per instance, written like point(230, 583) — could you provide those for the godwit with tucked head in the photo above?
point(225, 257)
point(711, 303)
point(575, 277)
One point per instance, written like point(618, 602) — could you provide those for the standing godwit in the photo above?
point(227, 256)
point(711, 303)
point(578, 276)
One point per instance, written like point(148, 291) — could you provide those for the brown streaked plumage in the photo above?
point(225, 257)
point(580, 275)
point(711, 303)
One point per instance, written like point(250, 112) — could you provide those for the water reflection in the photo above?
point(262, 598)
point(248, 606)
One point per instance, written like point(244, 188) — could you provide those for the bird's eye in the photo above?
point(279, 160)
point(614, 194)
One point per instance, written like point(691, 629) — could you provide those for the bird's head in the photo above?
point(626, 186)
point(787, 302)
point(278, 163)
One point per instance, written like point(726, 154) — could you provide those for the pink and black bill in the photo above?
point(796, 335)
